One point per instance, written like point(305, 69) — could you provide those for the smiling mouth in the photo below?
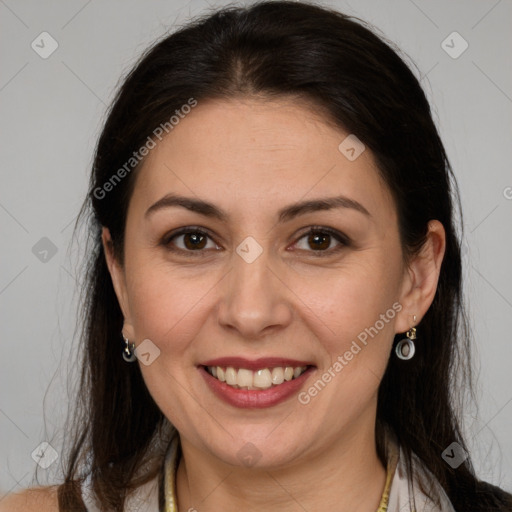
point(264, 378)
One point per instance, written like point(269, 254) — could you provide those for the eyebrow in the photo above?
point(285, 214)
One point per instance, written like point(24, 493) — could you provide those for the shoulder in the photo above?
point(40, 499)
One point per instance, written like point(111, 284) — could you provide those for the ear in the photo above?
point(422, 275)
point(118, 277)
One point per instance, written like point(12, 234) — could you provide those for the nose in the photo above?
point(255, 300)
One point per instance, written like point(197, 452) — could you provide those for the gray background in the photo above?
point(51, 112)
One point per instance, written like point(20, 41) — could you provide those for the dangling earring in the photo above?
point(129, 351)
point(405, 347)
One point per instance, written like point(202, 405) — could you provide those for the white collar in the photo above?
point(404, 497)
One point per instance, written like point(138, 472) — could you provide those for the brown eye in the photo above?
point(319, 241)
point(322, 240)
point(194, 241)
point(189, 240)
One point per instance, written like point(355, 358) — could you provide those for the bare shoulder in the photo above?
point(40, 499)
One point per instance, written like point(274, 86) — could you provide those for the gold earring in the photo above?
point(405, 348)
point(129, 351)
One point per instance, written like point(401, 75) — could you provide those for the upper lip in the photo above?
point(255, 364)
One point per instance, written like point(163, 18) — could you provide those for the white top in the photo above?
point(401, 497)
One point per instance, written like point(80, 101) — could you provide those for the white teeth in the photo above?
point(231, 376)
point(261, 379)
point(277, 376)
point(244, 378)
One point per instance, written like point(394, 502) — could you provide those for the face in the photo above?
point(249, 275)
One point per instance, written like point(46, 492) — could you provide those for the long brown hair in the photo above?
point(273, 49)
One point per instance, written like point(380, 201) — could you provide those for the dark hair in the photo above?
point(277, 49)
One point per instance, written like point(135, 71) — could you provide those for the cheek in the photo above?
point(169, 311)
point(354, 321)
point(170, 306)
point(352, 302)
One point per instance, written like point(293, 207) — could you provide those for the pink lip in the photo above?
point(255, 364)
point(253, 399)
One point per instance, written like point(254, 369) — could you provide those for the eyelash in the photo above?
point(313, 230)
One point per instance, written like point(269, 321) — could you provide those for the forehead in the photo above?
point(254, 153)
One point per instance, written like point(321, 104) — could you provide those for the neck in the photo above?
point(346, 476)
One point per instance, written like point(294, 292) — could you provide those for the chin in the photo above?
point(257, 447)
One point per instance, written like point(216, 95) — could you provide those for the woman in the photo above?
point(274, 312)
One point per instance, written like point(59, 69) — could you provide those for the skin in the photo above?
point(251, 158)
